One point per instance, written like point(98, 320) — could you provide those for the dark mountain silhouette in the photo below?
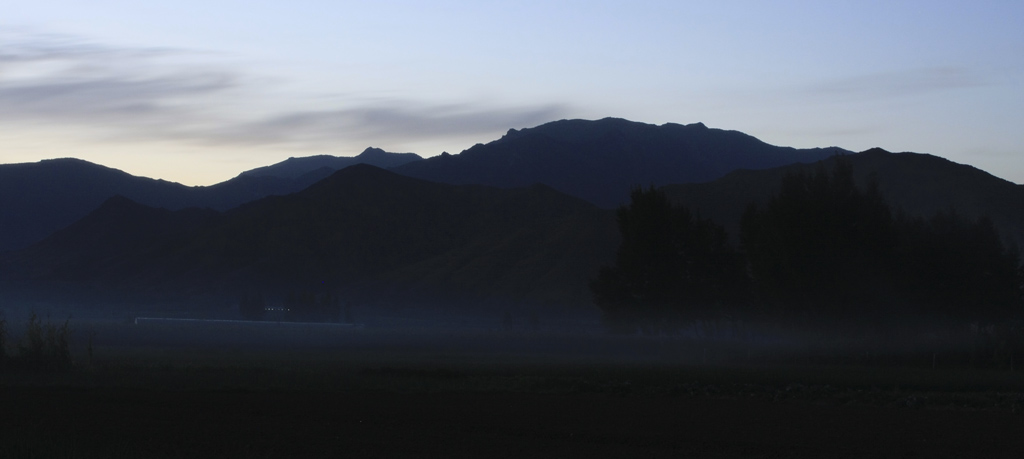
point(596, 160)
point(119, 231)
point(363, 230)
point(294, 168)
point(366, 232)
point(497, 221)
point(919, 184)
point(601, 160)
point(37, 199)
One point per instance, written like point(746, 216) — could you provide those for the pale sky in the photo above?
point(198, 91)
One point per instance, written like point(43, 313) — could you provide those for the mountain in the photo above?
point(37, 199)
point(596, 160)
point(363, 231)
point(119, 230)
point(296, 167)
point(919, 184)
point(600, 161)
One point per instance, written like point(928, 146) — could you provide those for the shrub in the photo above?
point(45, 346)
point(3, 340)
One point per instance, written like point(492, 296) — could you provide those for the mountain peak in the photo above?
point(876, 151)
point(293, 168)
point(371, 151)
point(65, 161)
point(600, 161)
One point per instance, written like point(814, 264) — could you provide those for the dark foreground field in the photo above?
point(501, 398)
point(74, 422)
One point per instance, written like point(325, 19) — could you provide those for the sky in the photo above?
point(198, 91)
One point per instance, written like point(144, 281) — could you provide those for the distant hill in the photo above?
point(119, 231)
point(37, 199)
point(601, 160)
point(293, 168)
point(595, 160)
point(506, 220)
point(920, 184)
point(363, 231)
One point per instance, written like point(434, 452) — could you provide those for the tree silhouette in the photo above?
point(45, 346)
point(671, 267)
point(960, 269)
point(3, 340)
point(822, 248)
point(820, 242)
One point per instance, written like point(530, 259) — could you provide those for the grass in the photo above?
point(260, 358)
point(178, 390)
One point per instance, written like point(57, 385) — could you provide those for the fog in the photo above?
point(401, 379)
point(417, 335)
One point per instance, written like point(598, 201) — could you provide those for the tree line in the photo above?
point(820, 249)
point(44, 346)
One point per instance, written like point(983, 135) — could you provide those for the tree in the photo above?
point(822, 248)
point(32, 349)
point(820, 243)
point(960, 269)
point(671, 267)
point(45, 346)
point(3, 340)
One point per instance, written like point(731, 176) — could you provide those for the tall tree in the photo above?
point(824, 248)
point(960, 269)
point(670, 267)
point(820, 242)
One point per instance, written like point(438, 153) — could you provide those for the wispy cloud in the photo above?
point(399, 120)
point(898, 84)
point(106, 100)
point(168, 94)
point(62, 81)
point(27, 48)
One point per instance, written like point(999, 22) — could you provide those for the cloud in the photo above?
point(397, 120)
point(897, 84)
point(106, 99)
point(168, 94)
point(73, 83)
point(19, 49)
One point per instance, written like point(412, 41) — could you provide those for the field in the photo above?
point(409, 390)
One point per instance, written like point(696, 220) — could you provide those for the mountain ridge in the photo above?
point(365, 231)
point(375, 233)
point(37, 199)
point(601, 160)
point(294, 167)
point(595, 160)
point(917, 183)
